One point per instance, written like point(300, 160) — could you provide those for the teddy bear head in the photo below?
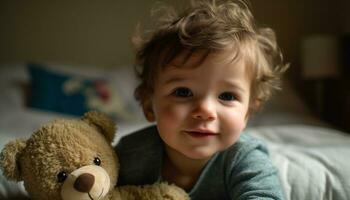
point(65, 159)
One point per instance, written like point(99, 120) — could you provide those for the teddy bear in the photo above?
point(70, 159)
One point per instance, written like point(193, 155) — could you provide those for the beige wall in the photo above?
point(344, 15)
point(97, 33)
point(93, 33)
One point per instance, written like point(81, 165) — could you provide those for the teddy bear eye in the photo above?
point(97, 161)
point(62, 176)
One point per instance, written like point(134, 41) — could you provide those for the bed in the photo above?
point(311, 156)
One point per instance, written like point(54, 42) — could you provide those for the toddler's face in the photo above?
point(201, 109)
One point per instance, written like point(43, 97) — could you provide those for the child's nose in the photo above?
point(204, 109)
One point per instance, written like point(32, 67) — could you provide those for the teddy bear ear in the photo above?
point(103, 122)
point(9, 159)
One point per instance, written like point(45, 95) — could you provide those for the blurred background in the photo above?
point(97, 34)
point(63, 58)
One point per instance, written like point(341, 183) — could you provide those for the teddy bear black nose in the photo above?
point(84, 182)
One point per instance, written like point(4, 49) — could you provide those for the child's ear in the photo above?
point(148, 110)
point(9, 159)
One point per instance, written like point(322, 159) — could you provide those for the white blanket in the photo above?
point(312, 161)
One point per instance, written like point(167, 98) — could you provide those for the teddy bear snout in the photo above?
point(84, 182)
point(87, 182)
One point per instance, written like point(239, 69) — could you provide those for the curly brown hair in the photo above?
point(210, 25)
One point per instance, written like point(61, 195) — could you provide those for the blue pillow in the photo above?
point(63, 93)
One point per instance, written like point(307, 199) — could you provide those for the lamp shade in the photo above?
point(320, 57)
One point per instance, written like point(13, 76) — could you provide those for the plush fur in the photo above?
point(74, 159)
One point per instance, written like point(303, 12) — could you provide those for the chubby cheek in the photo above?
point(168, 114)
point(232, 125)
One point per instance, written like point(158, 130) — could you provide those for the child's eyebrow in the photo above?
point(234, 84)
point(174, 80)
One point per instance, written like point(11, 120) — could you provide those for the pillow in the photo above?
point(12, 78)
point(75, 94)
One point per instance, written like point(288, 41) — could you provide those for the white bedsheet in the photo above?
point(313, 162)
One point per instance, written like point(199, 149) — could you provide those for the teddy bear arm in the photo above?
point(161, 191)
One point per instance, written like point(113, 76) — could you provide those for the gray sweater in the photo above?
point(243, 171)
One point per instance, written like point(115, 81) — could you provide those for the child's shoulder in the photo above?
point(139, 139)
point(140, 155)
point(247, 138)
point(246, 145)
point(246, 154)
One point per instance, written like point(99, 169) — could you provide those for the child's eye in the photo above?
point(182, 92)
point(227, 96)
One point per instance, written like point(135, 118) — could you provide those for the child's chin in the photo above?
point(199, 155)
